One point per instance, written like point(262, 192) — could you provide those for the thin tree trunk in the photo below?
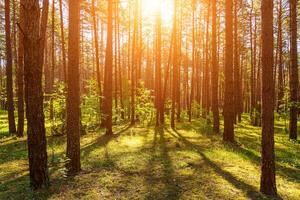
point(107, 101)
point(20, 74)
point(215, 71)
point(134, 63)
point(63, 49)
point(193, 64)
point(175, 67)
point(9, 71)
point(158, 81)
point(97, 51)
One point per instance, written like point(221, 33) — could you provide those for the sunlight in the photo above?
point(151, 7)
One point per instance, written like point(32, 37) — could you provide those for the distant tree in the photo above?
point(73, 91)
point(96, 44)
point(35, 25)
point(107, 101)
point(280, 58)
point(193, 62)
point(158, 82)
point(9, 70)
point(63, 48)
point(215, 70)
point(134, 63)
point(175, 79)
point(268, 181)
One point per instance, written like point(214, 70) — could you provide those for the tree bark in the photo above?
point(229, 94)
point(107, 101)
point(34, 40)
point(73, 91)
point(215, 71)
point(97, 51)
point(9, 71)
point(158, 81)
point(20, 73)
point(268, 183)
point(294, 82)
point(63, 49)
point(175, 92)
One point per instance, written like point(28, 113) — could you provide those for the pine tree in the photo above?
point(73, 90)
point(268, 182)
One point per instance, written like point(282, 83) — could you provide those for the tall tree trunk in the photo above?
point(107, 101)
point(215, 70)
point(20, 74)
point(280, 59)
point(52, 59)
point(63, 49)
point(9, 71)
point(229, 94)
point(294, 82)
point(116, 85)
point(268, 183)
point(34, 41)
point(193, 63)
point(134, 63)
point(73, 91)
point(236, 63)
point(97, 51)
point(175, 67)
point(158, 81)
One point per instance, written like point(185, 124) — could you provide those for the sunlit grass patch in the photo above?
point(190, 162)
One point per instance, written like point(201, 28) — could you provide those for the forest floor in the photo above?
point(147, 163)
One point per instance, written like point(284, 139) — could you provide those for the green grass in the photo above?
point(147, 163)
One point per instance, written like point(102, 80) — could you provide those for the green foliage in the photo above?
point(90, 107)
point(58, 101)
point(144, 105)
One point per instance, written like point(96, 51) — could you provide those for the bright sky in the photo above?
point(150, 8)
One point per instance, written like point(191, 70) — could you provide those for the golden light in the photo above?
point(151, 7)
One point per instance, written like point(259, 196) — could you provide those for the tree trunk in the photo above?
point(280, 59)
point(294, 82)
point(63, 49)
point(193, 63)
point(73, 91)
point(9, 71)
point(158, 84)
point(229, 94)
point(134, 63)
point(175, 67)
point(20, 74)
point(107, 101)
point(268, 183)
point(236, 63)
point(215, 70)
point(34, 40)
point(97, 51)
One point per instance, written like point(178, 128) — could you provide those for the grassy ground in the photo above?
point(147, 163)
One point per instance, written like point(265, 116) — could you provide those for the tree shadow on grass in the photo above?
point(250, 191)
point(162, 186)
point(101, 141)
point(293, 174)
point(251, 142)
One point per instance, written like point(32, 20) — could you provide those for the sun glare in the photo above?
point(151, 7)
